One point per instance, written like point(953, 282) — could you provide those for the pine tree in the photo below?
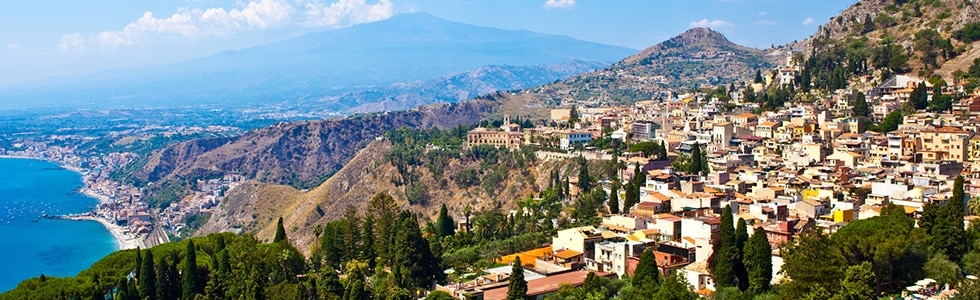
point(646, 277)
point(280, 232)
point(383, 208)
point(148, 278)
point(614, 198)
point(704, 168)
point(190, 286)
point(445, 224)
point(350, 234)
point(368, 252)
point(758, 76)
point(757, 258)
point(414, 264)
point(517, 287)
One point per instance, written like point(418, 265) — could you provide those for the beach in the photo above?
point(125, 241)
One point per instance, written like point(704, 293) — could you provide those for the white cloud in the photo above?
point(559, 4)
point(72, 43)
point(807, 21)
point(713, 24)
point(191, 24)
point(13, 46)
point(345, 13)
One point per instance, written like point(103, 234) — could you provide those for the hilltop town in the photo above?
point(804, 166)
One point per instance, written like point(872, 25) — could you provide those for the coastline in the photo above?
point(123, 240)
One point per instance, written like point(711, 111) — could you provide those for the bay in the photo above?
point(31, 245)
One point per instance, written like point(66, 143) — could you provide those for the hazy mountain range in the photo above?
point(380, 58)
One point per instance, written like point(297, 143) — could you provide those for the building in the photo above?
point(568, 139)
point(496, 138)
point(644, 130)
point(945, 143)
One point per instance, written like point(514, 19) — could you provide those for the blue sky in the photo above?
point(40, 39)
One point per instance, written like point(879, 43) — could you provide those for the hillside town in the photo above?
point(121, 207)
point(802, 167)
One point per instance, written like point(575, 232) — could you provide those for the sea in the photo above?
point(31, 245)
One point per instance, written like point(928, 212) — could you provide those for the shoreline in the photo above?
point(123, 241)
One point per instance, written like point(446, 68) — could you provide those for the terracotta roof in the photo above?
point(544, 285)
point(566, 254)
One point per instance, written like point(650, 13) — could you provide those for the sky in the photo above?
point(55, 38)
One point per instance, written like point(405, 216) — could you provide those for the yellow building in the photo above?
point(843, 215)
point(945, 143)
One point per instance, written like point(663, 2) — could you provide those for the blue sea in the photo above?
point(30, 245)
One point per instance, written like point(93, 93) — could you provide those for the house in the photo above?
point(699, 277)
point(580, 239)
point(569, 139)
point(945, 143)
point(611, 257)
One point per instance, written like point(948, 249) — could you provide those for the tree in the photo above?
point(940, 102)
point(584, 179)
point(517, 287)
point(858, 283)
point(891, 122)
point(869, 24)
point(973, 205)
point(614, 198)
point(739, 266)
point(445, 224)
point(646, 277)
point(383, 208)
point(189, 272)
point(368, 252)
point(167, 286)
point(147, 278)
point(944, 271)
point(758, 76)
point(861, 106)
point(674, 288)
point(662, 155)
point(648, 148)
point(695, 166)
point(945, 223)
point(414, 264)
point(894, 247)
point(919, 98)
point(757, 258)
point(726, 253)
point(807, 277)
point(439, 295)
point(280, 232)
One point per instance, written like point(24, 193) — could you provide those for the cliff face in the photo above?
point(300, 154)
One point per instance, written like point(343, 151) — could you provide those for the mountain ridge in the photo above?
point(330, 63)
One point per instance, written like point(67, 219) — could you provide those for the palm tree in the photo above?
point(974, 205)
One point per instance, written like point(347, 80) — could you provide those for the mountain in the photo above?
point(912, 37)
point(456, 87)
point(402, 49)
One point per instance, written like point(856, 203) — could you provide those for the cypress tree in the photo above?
point(646, 278)
point(614, 198)
point(280, 232)
point(705, 169)
point(725, 251)
point(517, 287)
point(445, 225)
point(738, 266)
point(147, 278)
point(758, 262)
point(584, 179)
point(139, 262)
point(164, 280)
point(695, 165)
point(189, 272)
point(662, 155)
